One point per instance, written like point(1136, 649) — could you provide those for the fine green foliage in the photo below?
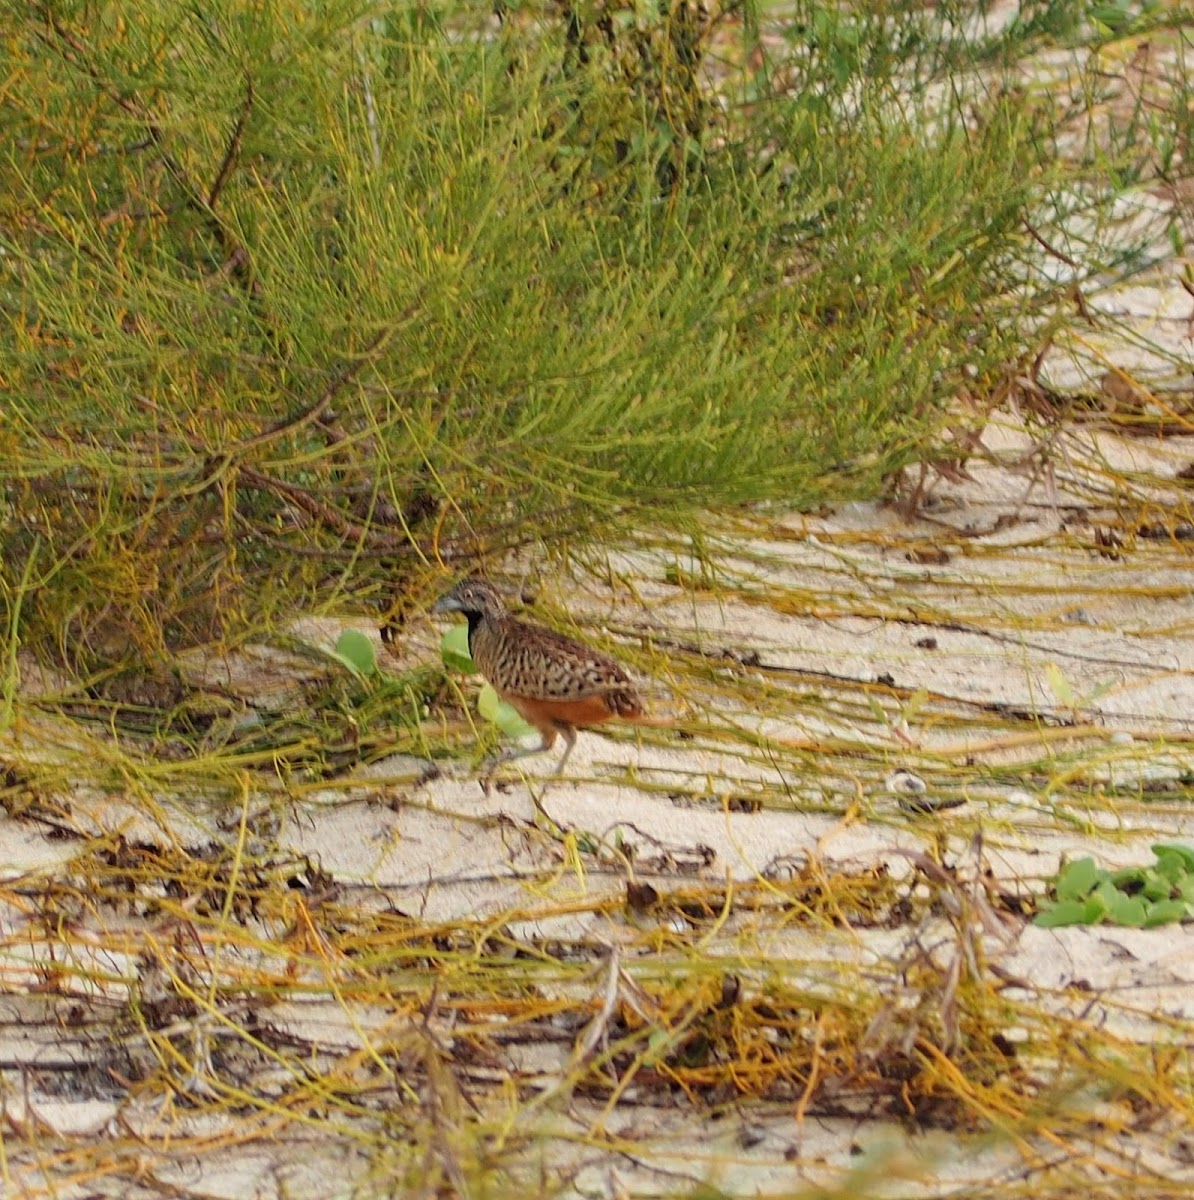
point(1139, 897)
point(298, 308)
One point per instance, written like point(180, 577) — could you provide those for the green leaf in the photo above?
point(1183, 852)
point(1113, 16)
point(1156, 886)
point(1171, 867)
point(1078, 879)
point(1126, 910)
point(453, 649)
point(1103, 899)
point(355, 651)
point(504, 716)
point(1164, 912)
point(1068, 912)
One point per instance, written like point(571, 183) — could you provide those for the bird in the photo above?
point(556, 683)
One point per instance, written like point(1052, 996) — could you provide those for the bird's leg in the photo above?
point(548, 740)
point(569, 733)
point(526, 752)
point(570, 737)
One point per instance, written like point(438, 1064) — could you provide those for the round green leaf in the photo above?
point(1078, 879)
point(488, 703)
point(1126, 910)
point(1156, 886)
point(1164, 912)
point(1171, 866)
point(504, 716)
point(1185, 853)
point(455, 652)
point(355, 651)
point(1068, 912)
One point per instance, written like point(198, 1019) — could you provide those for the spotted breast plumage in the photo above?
point(556, 683)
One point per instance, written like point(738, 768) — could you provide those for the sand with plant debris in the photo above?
point(874, 690)
point(890, 727)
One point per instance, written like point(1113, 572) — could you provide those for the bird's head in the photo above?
point(476, 598)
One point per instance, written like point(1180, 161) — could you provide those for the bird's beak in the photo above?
point(446, 604)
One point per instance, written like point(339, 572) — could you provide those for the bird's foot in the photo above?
point(489, 768)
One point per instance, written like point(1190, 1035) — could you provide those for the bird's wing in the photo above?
point(572, 670)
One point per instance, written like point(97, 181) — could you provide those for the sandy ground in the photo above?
point(1006, 676)
point(1022, 643)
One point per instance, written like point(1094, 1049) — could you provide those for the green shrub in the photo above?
point(300, 308)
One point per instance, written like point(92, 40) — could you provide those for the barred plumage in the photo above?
point(557, 683)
